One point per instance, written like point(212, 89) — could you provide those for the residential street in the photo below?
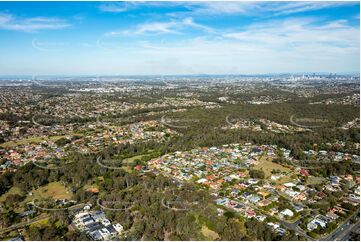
point(342, 230)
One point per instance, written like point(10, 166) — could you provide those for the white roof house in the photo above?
point(118, 227)
point(202, 180)
point(357, 190)
point(289, 184)
point(287, 212)
point(311, 226)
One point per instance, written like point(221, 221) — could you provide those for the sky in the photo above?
point(170, 38)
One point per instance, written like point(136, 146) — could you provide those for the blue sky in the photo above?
point(126, 38)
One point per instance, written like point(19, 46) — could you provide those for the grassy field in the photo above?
point(312, 180)
point(131, 159)
point(13, 190)
point(209, 234)
point(266, 165)
point(53, 190)
point(41, 223)
point(127, 161)
point(34, 140)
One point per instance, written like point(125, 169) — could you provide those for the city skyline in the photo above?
point(178, 38)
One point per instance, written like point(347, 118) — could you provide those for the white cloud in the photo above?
point(299, 33)
point(117, 7)
point(11, 22)
point(169, 27)
point(291, 45)
point(148, 28)
point(190, 22)
point(297, 7)
point(158, 27)
point(210, 8)
point(259, 8)
point(288, 45)
point(227, 8)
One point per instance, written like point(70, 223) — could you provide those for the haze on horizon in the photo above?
point(189, 38)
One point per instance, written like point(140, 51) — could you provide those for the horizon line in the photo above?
point(201, 74)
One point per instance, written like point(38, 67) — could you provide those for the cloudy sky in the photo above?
point(125, 38)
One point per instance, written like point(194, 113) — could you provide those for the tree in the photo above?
point(257, 174)
point(13, 199)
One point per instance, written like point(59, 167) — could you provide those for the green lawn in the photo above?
point(127, 161)
point(209, 234)
point(31, 140)
point(53, 190)
point(13, 190)
point(313, 180)
point(131, 159)
point(41, 223)
point(267, 166)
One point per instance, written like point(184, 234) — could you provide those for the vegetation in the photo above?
point(144, 200)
